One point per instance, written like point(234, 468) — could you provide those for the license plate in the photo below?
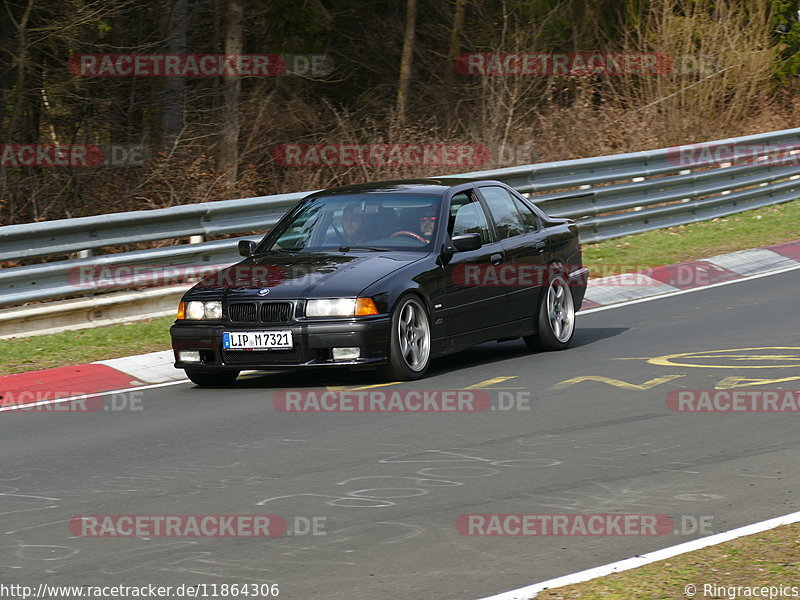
point(257, 340)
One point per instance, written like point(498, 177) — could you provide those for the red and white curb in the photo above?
point(690, 275)
point(48, 386)
point(156, 368)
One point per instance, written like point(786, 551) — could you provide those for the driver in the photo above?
point(419, 225)
point(353, 224)
point(426, 223)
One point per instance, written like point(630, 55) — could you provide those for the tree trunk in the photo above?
point(449, 76)
point(19, 123)
point(174, 87)
point(227, 157)
point(406, 61)
point(455, 34)
point(20, 120)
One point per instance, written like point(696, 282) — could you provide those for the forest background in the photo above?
point(393, 74)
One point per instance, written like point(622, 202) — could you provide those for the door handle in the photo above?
point(539, 247)
point(496, 259)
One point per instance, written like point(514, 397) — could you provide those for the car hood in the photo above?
point(304, 274)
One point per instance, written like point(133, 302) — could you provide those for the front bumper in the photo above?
point(313, 341)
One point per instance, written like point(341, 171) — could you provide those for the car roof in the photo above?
point(432, 186)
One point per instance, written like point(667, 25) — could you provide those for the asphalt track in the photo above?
point(391, 486)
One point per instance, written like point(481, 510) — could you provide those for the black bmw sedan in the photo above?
point(386, 275)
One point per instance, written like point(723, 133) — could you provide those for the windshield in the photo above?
point(356, 222)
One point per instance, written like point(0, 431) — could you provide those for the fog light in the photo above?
point(346, 353)
point(188, 356)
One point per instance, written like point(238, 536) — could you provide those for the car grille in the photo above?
point(295, 356)
point(242, 313)
point(263, 312)
point(276, 312)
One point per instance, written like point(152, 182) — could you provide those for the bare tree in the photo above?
point(455, 32)
point(406, 60)
point(174, 87)
point(227, 155)
point(19, 123)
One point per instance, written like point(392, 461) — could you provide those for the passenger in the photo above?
point(353, 224)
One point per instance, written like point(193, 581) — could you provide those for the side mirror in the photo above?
point(246, 247)
point(467, 241)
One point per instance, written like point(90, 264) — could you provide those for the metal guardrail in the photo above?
point(631, 193)
point(88, 233)
point(85, 276)
point(616, 195)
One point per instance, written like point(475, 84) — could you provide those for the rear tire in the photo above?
point(410, 341)
point(555, 321)
point(208, 378)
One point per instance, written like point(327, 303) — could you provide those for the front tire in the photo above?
point(556, 318)
point(410, 341)
point(209, 378)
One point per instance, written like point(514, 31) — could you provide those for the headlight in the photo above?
point(341, 307)
point(334, 307)
point(196, 310)
point(213, 310)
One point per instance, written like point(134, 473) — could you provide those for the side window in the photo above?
point(529, 219)
point(297, 236)
point(466, 216)
point(335, 225)
point(504, 212)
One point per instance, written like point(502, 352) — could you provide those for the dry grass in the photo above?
point(771, 558)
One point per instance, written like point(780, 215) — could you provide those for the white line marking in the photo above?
point(530, 592)
point(678, 471)
point(690, 290)
point(22, 407)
